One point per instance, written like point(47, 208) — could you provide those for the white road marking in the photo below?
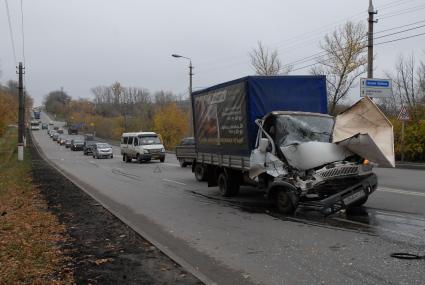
point(173, 181)
point(403, 192)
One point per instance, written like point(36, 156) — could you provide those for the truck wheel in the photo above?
point(138, 158)
point(182, 163)
point(162, 159)
point(123, 158)
point(285, 202)
point(227, 186)
point(199, 172)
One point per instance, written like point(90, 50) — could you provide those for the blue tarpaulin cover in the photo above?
point(221, 127)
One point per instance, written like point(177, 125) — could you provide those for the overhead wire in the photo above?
point(399, 27)
point(12, 40)
point(321, 54)
point(22, 32)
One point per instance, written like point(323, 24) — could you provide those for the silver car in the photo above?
point(102, 150)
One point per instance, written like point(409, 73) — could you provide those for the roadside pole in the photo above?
point(402, 140)
point(21, 115)
point(371, 21)
point(403, 116)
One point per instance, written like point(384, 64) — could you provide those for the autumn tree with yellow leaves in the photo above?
point(172, 123)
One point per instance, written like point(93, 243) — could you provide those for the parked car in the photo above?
point(77, 145)
point(100, 150)
point(62, 141)
point(142, 146)
point(56, 128)
point(51, 124)
point(51, 133)
point(55, 136)
point(68, 143)
point(60, 131)
point(185, 151)
point(44, 126)
point(87, 149)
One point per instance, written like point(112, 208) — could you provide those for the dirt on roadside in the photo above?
point(103, 249)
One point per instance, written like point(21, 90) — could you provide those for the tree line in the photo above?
point(115, 109)
point(9, 103)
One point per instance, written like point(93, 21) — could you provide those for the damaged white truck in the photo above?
point(274, 133)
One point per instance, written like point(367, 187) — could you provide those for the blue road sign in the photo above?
point(378, 88)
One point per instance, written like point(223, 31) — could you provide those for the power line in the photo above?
point(399, 27)
point(400, 39)
point(402, 12)
point(318, 55)
point(399, 32)
point(22, 31)
point(11, 31)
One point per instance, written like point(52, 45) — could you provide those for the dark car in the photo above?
point(88, 145)
point(185, 151)
point(44, 126)
point(68, 143)
point(77, 145)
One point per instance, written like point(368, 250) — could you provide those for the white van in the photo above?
point(142, 146)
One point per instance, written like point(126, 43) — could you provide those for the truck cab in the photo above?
point(305, 166)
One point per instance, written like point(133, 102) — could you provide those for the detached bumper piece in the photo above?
point(345, 198)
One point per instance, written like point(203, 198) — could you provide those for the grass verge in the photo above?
point(29, 234)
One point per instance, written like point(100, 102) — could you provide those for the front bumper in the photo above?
point(346, 197)
point(150, 156)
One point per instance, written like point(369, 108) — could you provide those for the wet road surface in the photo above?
point(242, 240)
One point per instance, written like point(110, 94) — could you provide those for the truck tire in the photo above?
point(200, 173)
point(138, 158)
point(285, 202)
point(162, 159)
point(182, 163)
point(228, 187)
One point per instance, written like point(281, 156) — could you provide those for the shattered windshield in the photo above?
point(295, 129)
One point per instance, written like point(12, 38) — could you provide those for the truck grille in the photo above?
point(154, 150)
point(339, 171)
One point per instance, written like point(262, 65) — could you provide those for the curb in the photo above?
point(410, 165)
point(164, 249)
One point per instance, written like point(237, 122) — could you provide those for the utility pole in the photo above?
point(21, 115)
point(190, 98)
point(371, 21)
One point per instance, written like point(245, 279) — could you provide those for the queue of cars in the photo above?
point(141, 146)
point(89, 146)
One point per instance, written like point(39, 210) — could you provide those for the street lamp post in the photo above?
point(190, 89)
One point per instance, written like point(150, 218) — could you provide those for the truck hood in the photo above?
point(366, 131)
point(310, 155)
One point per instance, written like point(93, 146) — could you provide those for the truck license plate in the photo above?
point(354, 197)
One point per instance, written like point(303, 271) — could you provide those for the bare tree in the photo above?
point(408, 82)
point(266, 62)
point(344, 60)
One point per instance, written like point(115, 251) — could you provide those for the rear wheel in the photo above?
point(200, 173)
point(285, 202)
point(228, 186)
point(182, 163)
point(162, 159)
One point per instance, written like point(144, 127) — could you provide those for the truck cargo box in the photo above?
point(224, 115)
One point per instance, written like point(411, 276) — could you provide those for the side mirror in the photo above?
point(263, 145)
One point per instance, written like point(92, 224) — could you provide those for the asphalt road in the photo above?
point(241, 240)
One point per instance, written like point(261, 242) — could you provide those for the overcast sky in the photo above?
point(79, 44)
